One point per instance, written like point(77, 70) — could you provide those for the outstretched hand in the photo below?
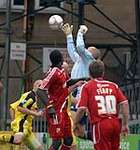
point(67, 29)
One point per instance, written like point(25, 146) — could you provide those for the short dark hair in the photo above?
point(96, 69)
point(56, 58)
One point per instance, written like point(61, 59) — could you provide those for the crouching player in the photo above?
point(22, 113)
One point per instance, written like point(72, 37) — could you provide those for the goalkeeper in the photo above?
point(81, 57)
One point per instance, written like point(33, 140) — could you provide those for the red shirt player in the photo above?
point(101, 98)
point(59, 124)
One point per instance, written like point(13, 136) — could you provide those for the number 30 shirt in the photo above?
point(101, 98)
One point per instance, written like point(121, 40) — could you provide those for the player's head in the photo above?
point(95, 52)
point(56, 58)
point(96, 69)
point(36, 85)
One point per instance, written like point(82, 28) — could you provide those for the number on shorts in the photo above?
point(106, 104)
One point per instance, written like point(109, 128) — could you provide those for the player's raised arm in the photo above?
point(67, 29)
point(89, 53)
point(80, 44)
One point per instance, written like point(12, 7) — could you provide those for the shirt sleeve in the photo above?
point(80, 45)
point(28, 101)
point(71, 48)
point(120, 96)
point(34, 106)
point(48, 80)
point(83, 102)
point(14, 105)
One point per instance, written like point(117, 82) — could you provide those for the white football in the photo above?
point(55, 22)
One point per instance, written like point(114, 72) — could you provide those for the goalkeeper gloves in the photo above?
point(67, 29)
point(83, 29)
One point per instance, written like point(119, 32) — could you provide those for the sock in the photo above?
point(64, 147)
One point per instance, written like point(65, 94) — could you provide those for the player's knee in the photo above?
point(68, 141)
point(18, 137)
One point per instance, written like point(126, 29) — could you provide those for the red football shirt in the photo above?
point(101, 98)
point(55, 84)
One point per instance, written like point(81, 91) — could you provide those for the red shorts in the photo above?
point(62, 129)
point(106, 134)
